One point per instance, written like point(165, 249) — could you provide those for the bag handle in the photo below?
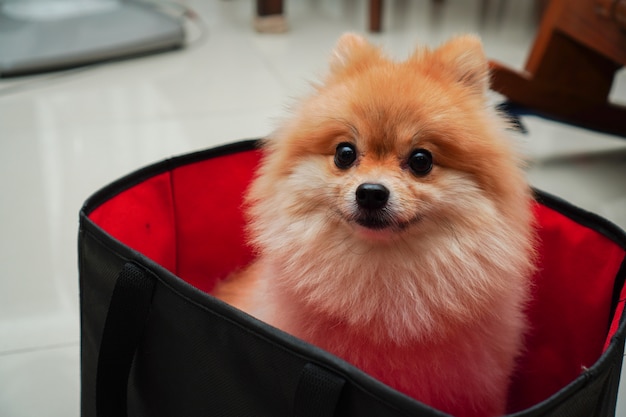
point(123, 329)
point(318, 392)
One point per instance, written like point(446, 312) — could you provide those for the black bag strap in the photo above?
point(123, 328)
point(318, 392)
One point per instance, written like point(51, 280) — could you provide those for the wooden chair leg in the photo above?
point(270, 17)
point(376, 15)
point(269, 7)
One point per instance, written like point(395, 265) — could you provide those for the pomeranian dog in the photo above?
point(393, 226)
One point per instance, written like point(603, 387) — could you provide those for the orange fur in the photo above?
point(432, 303)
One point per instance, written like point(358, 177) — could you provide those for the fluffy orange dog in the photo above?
point(393, 226)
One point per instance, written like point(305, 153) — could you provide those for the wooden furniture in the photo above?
point(270, 17)
point(570, 70)
point(272, 11)
point(376, 14)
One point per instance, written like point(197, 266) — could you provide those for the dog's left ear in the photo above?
point(352, 52)
point(464, 58)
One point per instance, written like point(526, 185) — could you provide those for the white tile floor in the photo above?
point(63, 137)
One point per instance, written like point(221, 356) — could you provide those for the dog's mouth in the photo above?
point(374, 223)
point(382, 220)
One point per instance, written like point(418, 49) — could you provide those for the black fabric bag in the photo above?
point(154, 342)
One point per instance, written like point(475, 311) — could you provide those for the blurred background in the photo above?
point(208, 72)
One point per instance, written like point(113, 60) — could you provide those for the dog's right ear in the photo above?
point(352, 52)
point(464, 59)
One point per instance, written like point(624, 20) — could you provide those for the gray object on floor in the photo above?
point(39, 36)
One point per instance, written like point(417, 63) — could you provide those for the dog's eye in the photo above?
point(345, 155)
point(421, 162)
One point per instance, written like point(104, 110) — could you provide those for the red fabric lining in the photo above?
point(209, 218)
point(189, 221)
point(142, 218)
point(569, 309)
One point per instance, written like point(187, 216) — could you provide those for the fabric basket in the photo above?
point(154, 341)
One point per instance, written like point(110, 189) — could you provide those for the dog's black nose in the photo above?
point(372, 196)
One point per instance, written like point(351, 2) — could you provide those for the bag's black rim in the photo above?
point(282, 340)
point(136, 177)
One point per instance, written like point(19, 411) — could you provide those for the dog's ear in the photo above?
point(352, 52)
point(464, 59)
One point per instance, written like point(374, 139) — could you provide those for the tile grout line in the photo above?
point(39, 348)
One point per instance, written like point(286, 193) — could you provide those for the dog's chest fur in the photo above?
point(451, 367)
